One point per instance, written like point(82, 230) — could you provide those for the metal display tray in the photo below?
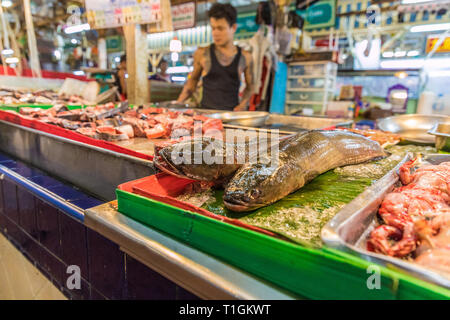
point(293, 124)
point(349, 229)
point(96, 170)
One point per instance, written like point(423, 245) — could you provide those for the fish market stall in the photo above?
point(99, 149)
point(121, 152)
point(280, 243)
point(54, 139)
point(98, 169)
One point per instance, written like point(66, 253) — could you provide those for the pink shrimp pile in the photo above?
point(417, 217)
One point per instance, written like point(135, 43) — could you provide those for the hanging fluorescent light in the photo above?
point(77, 28)
point(175, 78)
point(441, 63)
point(399, 54)
point(12, 60)
point(7, 3)
point(179, 69)
point(7, 52)
point(431, 27)
point(439, 73)
point(388, 54)
point(413, 53)
point(57, 54)
point(402, 64)
point(415, 1)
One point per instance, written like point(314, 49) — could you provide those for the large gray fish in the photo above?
point(189, 158)
point(301, 158)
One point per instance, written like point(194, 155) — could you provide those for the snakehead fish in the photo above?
point(301, 158)
point(209, 159)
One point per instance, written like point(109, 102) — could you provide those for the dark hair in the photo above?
point(123, 58)
point(161, 62)
point(226, 11)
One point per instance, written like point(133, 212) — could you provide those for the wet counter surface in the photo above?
point(286, 125)
point(195, 271)
point(142, 145)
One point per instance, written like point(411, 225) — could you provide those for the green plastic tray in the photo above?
point(17, 107)
point(311, 273)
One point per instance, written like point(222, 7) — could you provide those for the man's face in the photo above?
point(222, 32)
point(163, 67)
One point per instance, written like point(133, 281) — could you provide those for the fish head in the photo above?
point(253, 186)
point(186, 159)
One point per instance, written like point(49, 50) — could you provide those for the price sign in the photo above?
point(183, 16)
point(116, 13)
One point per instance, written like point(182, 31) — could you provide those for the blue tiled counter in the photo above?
point(44, 218)
point(56, 225)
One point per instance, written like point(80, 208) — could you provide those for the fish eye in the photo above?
point(255, 193)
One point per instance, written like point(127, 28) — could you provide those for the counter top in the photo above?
point(200, 273)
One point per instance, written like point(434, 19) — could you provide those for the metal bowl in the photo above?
point(412, 127)
point(242, 118)
point(172, 105)
point(441, 132)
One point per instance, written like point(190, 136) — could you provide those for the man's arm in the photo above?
point(123, 83)
point(249, 83)
point(191, 84)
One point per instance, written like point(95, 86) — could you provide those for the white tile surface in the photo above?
point(20, 280)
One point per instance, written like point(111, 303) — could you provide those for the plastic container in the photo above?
point(442, 105)
point(301, 83)
point(315, 68)
point(312, 273)
point(304, 109)
point(301, 96)
point(425, 103)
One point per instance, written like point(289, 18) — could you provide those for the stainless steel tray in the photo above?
point(293, 124)
point(349, 229)
point(243, 118)
point(96, 170)
point(441, 132)
point(412, 127)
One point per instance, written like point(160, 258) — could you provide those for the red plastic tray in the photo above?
point(164, 188)
point(13, 117)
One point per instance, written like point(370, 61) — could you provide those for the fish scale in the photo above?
point(302, 158)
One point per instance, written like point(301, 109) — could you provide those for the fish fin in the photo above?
point(388, 154)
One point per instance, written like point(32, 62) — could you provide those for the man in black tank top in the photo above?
point(221, 65)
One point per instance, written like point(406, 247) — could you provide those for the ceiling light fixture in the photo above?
point(430, 27)
point(6, 3)
point(12, 60)
point(77, 28)
point(413, 53)
point(7, 52)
